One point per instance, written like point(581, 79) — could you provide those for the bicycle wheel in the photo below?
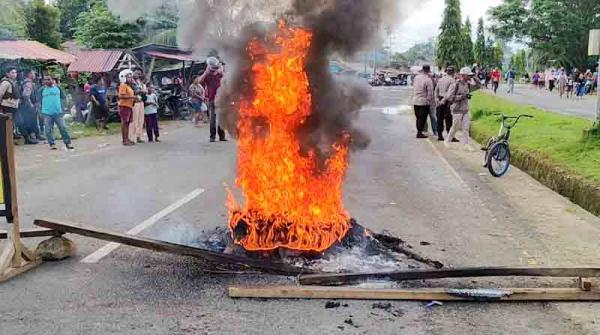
point(498, 159)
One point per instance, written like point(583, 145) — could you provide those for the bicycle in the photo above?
point(497, 150)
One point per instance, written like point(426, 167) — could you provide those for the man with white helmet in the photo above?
point(126, 101)
point(211, 80)
point(458, 97)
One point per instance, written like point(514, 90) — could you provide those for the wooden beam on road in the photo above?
point(30, 233)
point(352, 278)
point(263, 265)
point(424, 294)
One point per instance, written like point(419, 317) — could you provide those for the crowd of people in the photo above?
point(34, 109)
point(37, 107)
point(444, 101)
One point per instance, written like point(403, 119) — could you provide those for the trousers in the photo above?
point(136, 127)
point(214, 126)
point(462, 121)
point(152, 126)
point(421, 113)
point(49, 122)
point(443, 115)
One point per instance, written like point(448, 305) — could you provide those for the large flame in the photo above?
point(291, 201)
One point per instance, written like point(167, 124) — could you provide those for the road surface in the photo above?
point(416, 189)
point(526, 94)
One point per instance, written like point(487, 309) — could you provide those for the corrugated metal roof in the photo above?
point(96, 61)
point(33, 50)
point(179, 56)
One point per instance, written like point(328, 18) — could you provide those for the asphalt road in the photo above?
point(526, 94)
point(416, 189)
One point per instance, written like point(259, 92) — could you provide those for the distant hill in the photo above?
point(419, 54)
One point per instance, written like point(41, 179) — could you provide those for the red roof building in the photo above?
point(11, 49)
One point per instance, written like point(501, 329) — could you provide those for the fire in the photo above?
point(290, 200)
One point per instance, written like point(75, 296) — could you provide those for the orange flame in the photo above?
point(290, 201)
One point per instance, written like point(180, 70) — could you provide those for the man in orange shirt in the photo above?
point(126, 100)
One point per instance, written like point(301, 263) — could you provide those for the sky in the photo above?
point(424, 22)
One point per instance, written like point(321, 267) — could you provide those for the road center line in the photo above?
point(450, 167)
point(112, 246)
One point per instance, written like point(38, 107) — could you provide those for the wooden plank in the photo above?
point(161, 246)
point(34, 232)
point(352, 278)
point(425, 294)
point(13, 272)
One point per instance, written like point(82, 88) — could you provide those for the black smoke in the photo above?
point(339, 27)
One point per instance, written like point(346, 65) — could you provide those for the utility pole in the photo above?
point(594, 50)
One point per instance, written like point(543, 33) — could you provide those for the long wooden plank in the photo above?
point(30, 233)
point(352, 278)
point(161, 246)
point(425, 294)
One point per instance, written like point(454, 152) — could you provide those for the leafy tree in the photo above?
point(160, 25)
point(69, 11)
point(99, 28)
point(479, 48)
point(555, 30)
point(451, 38)
point(419, 53)
point(12, 19)
point(468, 57)
point(518, 62)
point(43, 22)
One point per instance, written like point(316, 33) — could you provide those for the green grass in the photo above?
point(79, 130)
point(556, 137)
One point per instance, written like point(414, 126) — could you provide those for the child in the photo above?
point(151, 115)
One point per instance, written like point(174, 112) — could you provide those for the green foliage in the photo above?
point(12, 19)
point(468, 48)
point(518, 62)
point(69, 11)
point(555, 136)
point(160, 25)
point(451, 39)
point(43, 22)
point(479, 48)
point(99, 28)
point(556, 30)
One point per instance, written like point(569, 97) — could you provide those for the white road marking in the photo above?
point(112, 246)
point(452, 169)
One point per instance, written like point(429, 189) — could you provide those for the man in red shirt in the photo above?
point(211, 80)
point(496, 75)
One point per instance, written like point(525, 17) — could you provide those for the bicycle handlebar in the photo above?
point(516, 118)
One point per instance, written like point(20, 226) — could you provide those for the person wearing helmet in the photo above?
point(126, 100)
point(458, 97)
point(211, 80)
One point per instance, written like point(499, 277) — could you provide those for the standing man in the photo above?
point(510, 78)
point(9, 92)
point(211, 80)
point(53, 113)
point(443, 107)
point(126, 100)
point(496, 76)
point(28, 110)
point(137, 122)
point(422, 98)
point(99, 105)
point(458, 96)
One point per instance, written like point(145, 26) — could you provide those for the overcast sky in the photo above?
point(425, 21)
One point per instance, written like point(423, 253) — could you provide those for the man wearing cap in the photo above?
point(211, 80)
point(423, 99)
point(458, 97)
point(443, 109)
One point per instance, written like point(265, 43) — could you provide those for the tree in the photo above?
point(468, 57)
point(479, 48)
point(160, 25)
point(518, 62)
point(419, 53)
point(43, 23)
point(99, 28)
point(451, 38)
point(555, 30)
point(12, 19)
point(69, 11)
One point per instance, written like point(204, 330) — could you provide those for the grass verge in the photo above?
point(79, 130)
point(549, 147)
